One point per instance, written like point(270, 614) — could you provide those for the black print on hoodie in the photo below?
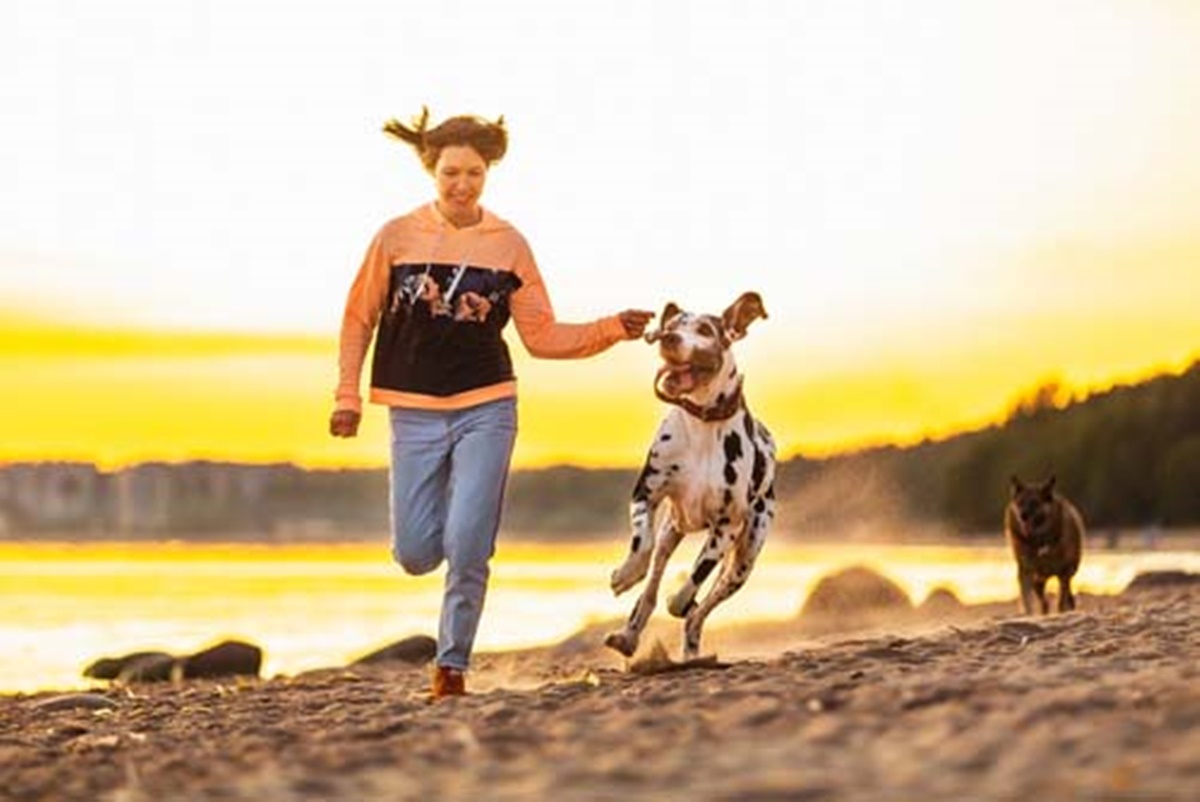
point(440, 333)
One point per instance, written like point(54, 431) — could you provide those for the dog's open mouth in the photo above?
point(676, 378)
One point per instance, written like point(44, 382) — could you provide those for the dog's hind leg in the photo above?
point(625, 641)
point(1066, 599)
point(715, 548)
point(734, 572)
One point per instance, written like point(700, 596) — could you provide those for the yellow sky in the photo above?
point(116, 397)
point(942, 203)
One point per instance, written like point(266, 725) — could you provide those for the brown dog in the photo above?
point(1045, 532)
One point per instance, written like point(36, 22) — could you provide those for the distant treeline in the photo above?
point(1129, 457)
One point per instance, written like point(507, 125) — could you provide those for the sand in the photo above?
point(951, 703)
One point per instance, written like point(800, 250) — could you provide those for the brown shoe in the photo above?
point(448, 681)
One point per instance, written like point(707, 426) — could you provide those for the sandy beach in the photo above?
point(941, 701)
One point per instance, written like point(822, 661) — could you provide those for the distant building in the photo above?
point(194, 497)
point(190, 499)
point(52, 496)
point(142, 499)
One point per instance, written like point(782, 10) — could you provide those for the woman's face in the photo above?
point(460, 173)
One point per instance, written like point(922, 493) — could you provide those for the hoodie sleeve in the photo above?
point(540, 331)
point(363, 305)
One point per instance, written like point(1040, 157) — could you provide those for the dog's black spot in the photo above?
point(770, 494)
point(748, 423)
point(728, 497)
point(637, 541)
point(674, 467)
point(733, 452)
point(703, 570)
point(641, 489)
point(759, 506)
point(723, 521)
point(733, 447)
point(666, 436)
point(759, 471)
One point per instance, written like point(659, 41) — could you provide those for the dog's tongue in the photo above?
point(680, 378)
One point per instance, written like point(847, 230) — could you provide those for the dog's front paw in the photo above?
point(628, 575)
point(621, 642)
point(682, 602)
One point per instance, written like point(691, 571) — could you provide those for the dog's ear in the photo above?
point(741, 313)
point(1048, 487)
point(669, 311)
point(1016, 484)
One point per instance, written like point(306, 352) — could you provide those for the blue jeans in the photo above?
point(449, 469)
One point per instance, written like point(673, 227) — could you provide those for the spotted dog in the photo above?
point(711, 468)
point(1045, 531)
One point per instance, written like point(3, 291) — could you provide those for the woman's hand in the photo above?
point(344, 423)
point(635, 322)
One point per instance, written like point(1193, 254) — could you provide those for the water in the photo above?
point(63, 605)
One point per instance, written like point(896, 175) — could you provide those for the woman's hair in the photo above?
point(488, 139)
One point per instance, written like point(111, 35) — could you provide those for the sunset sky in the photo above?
point(942, 203)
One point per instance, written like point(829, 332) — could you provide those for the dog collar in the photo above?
point(724, 409)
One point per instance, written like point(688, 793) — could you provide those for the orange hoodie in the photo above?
point(439, 298)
